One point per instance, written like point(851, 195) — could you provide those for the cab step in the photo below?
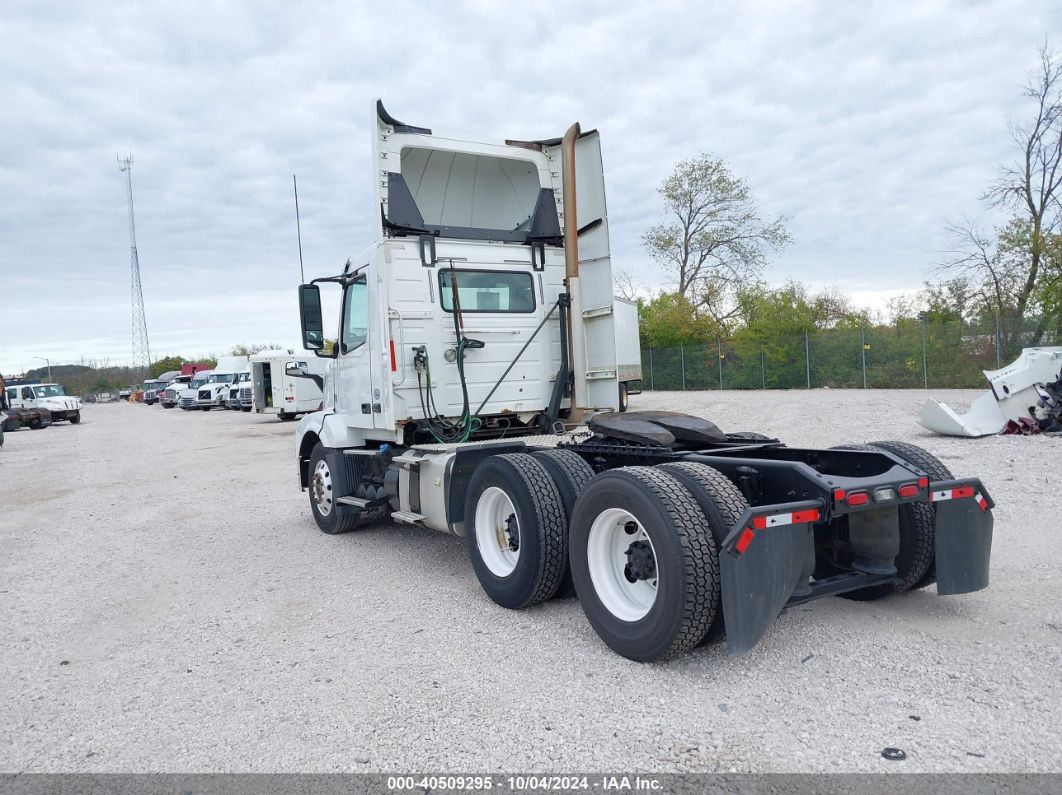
point(357, 502)
point(408, 517)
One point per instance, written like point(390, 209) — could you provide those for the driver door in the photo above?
point(354, 391)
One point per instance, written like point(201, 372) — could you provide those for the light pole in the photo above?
point(48, 362)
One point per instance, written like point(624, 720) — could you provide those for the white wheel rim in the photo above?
point(495, 523)
point(607, 558)
point(322, 488)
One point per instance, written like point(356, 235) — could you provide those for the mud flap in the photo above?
point(963, 533)
point(763, 560)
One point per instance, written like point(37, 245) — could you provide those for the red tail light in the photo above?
point(838, 495)
point(857, 498)
point(923, 483)
point(908, 490)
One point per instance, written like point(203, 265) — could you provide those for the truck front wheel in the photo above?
point(516, 531)
point(75, 418)
point(644, 563)
point(328, 514)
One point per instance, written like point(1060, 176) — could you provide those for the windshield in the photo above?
point(244, 377)
point(220, 378)
point(198, 382)
point(48, 390)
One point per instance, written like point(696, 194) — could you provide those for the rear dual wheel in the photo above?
point(915, 566)
point(516, 530)
point(645, 563)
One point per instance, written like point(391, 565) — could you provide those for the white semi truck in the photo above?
point(474, 390)
point(277, 392)
point(52, 397)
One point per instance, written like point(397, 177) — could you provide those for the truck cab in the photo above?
point(51, 397)
point(171, 395)
point(215, 392)
point(243, 381)
point(189, 397)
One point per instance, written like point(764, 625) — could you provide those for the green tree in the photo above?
point(714, 240)
point(670, 320)
point(165, 365)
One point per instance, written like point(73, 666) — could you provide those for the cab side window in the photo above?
point(27, 393)
point(355, 315)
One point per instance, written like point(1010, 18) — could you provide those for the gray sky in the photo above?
point(868, 125)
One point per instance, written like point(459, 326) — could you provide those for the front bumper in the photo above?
point(768, 557)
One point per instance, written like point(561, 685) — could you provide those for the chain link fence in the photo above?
point(910, 354)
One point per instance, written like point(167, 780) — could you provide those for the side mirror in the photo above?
point(302, 370)
point(312, 319)
point(297, 369)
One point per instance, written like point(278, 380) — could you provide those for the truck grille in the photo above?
point(170, 395)
point(187, 402)
point(204, 394)
point(245, 393)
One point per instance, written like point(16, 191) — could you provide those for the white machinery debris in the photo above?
point(1012, 395)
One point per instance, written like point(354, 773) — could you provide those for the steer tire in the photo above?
point(914, 563)
point(685, 563)
point(75, 418)
point(570, 474)
point(722, 504)
point(623, 399)
point(520, 487)
point(336, 519)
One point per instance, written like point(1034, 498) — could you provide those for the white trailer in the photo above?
point(628, 348)
point(474, 390)
point(278, 392)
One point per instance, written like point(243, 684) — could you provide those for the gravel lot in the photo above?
point(187, 615)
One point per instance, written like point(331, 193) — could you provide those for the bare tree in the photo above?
point(1007, 271)
point(624, 284)
point(714, 239)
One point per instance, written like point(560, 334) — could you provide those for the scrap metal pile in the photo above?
point(1025, 397)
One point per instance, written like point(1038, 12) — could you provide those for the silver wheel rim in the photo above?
point(496, 523)
point(607, 549)
point(321, 486)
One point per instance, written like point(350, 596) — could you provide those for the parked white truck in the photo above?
point(277, 392)
point(474, 390)
point(214, 391)
point(52, 397)
point(243, 378)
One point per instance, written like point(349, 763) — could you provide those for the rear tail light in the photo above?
point(908, 490)
point(857, 498)
point(923, 483)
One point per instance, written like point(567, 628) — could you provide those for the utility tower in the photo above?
point(141, 349)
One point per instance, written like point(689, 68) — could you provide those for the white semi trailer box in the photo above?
point(276, 392)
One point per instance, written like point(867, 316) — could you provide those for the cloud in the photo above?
point(867, 126)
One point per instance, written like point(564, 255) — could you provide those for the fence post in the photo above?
point(925, 363)
point(763, 371)
point(682, 365)
point(998, 340)
point(719, 345)
point(807, 357)
point(863, 352)
point(652, 382)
